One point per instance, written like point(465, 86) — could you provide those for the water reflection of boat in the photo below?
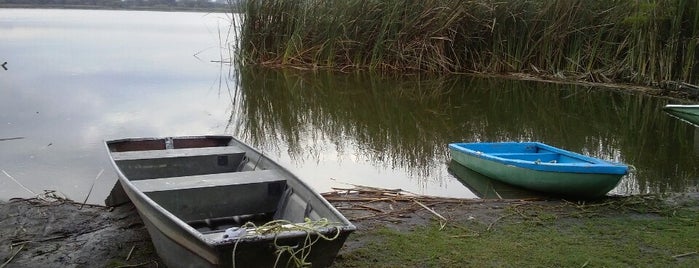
point(488, 188)
point(687, 113)
point(200, 198)
point(540, 167)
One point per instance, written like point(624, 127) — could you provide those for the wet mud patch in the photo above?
point(61, 233)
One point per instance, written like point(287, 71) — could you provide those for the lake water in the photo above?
point(78, 77)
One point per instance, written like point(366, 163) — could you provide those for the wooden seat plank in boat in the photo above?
point(207, 180)
point(172, 153)
point(542, 157)
point(139, 165)
point(216, 195)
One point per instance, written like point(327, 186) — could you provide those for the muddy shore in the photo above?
point(61, 233)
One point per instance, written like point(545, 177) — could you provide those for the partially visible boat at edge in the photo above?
point(687, 113)
point(540, 167)
point(212, 201)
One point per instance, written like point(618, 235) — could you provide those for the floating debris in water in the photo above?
point(13, 138)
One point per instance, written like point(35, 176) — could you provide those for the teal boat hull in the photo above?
point(487, 188)
point(577, 177)
point(687, 113)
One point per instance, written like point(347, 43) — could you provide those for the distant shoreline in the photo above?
point(225, 9)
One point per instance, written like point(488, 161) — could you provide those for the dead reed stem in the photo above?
point(359, 197)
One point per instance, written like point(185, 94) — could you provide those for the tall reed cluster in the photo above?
point(639, 41)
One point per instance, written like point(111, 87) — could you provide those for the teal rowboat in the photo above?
point(687, 113)
point(540, 167)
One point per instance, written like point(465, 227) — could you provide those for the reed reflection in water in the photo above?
point(393, 131)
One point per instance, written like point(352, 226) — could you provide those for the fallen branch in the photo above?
point(490, 226)
point(130, 252)
point(433, 212)
point(358, 197)
point(359, 186)
point(367, 189)
point(137, 265)
point(52, 238)
point(17, 182)
point(363, 198)
point(371, 208)
point(91, 186)
point(19, 243)
point(462, 236)
point(50, 198)
point(12, 257)
point(684, 255)
point(382, 215)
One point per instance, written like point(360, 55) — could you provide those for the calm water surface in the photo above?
point(77, 78)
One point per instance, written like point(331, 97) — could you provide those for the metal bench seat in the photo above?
point(208, 180)
point(541, 157)
point(216, 195)
point(139, 165)
point(174, 153)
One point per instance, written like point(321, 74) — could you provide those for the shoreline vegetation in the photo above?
point(650, 43)
point(638, 45)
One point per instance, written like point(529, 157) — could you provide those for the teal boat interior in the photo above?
point(538, 156)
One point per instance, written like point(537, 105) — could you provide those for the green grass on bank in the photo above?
point(541, 237)
point(638, 41)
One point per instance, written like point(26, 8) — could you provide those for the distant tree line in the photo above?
point(122, 4)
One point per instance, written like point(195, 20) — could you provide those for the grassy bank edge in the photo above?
point(619, 232)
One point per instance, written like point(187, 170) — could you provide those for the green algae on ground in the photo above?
point(622, 232)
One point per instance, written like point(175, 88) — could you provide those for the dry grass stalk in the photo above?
point(360, 197)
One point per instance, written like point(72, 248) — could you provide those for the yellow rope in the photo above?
point(297, 255)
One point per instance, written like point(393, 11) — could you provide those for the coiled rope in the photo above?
point(298, 255)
